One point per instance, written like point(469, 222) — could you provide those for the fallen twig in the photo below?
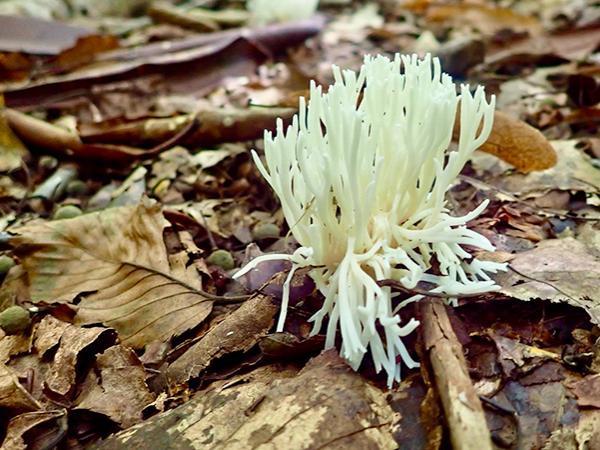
point(462, 407)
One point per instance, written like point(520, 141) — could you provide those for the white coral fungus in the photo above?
point(362, 175)
point(263, 12)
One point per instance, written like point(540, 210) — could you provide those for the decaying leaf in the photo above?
point(13, 395)
point(20, 429)
point(119, 390)
point(587, 391)
point(117, 261)
point(71, 341)
point(559, 270)
point(239, 332)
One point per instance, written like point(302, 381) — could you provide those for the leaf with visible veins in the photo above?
point(116, 259)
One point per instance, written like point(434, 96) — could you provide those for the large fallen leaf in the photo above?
point(187, 66)
point(559, 270)
point(117, 259)
point(574, 171)
point(41, 37)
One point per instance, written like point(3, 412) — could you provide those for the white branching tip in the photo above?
point(362, 174)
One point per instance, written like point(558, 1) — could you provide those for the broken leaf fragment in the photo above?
point(117, 261)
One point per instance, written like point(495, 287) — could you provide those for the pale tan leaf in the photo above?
point(559, 270)
point(117, 259)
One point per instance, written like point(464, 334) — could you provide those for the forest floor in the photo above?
point(129, 198)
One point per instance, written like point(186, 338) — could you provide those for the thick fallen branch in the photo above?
point(208, 127)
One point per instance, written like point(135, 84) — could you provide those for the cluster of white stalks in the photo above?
point(362, 174)
point(263, 12)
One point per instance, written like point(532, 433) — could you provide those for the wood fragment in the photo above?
point(462, 407)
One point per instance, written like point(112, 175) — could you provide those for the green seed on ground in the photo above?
point(14, 319)
point(6, 262)
point(67, 212)
point(221, 258)
point(265, 231)
point(76, 188)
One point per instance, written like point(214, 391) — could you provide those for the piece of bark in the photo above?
point(326, 405)
point(462, 407)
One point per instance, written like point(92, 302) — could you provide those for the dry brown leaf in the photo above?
point(13, 396)
point(559, 270)
point(587, 391)
point(119, 390)
point(72, 341)
point(54, 423)
point(240, 331)
point(83, 52)
point(117, 259)
point(486, 18)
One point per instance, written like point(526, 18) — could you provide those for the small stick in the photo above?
point(462, 407)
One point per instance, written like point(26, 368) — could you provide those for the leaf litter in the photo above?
point(144, 143)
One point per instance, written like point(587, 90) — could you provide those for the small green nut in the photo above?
point(221, 258)
point(67, 212)
point(48, 162)
point(6, 262)
point(265, 230)
point(76, 188)
point(14, 319)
